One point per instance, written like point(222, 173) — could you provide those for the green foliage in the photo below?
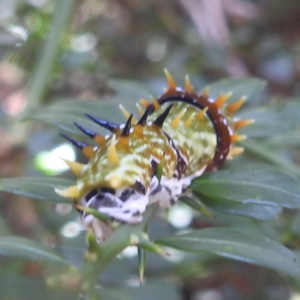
point(264, 186)
point(36, 188)
point(251, 206)
point(245, 245)
point(21, 247)
point(249, 87)
point(241, 190)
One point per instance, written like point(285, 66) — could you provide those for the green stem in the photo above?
point(141, 263)
point(39, 82)
point(122, 237)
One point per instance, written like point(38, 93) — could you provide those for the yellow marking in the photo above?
point(236, 138)
point(242, 123)
point(236, 151)
point(127, 114)
point(75, 166)
point(175, 122)
point(70, 192)
point(222, 99)
point(233, 107)
point(141, 111)
point(171, 83)
point(88, 151)
point(112, 151)
point(144, 102)
point(115, 182)
point(155, 103)
point(189, 120)
point(201, 113)
point(205, 93)
point(187, 85)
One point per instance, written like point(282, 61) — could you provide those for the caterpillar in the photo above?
point(182, 132)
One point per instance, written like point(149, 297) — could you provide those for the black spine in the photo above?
point(104, 123)
point(77, 144)
point(88, 132)
point(161, 118)
point(143, 119)
point(127, 127)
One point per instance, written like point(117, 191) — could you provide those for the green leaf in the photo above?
point(287, 140)
point(272, 120)
point(15, 287)
point(265, 186)
point(129, 88)
point(110, 248)
point(249, 87)
point(291, 110)
point(197, 205)
point(39, 81)
point(255, 211)
point(40, 188)
point(141, 263)
point(148, 245)
point(65, 112)
point(122, 237)
point(238, 244)
point(268, 122)
point(269, 155)
point(17, 246)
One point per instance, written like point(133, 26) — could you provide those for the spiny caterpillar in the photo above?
point(182, 132)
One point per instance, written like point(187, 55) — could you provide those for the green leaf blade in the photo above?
point(38, 188)
point(249, 87)
point(27, 249)
point(266, 186)
point(251, 210)
point(64, 112)
point(129, 88)
point(237, 244)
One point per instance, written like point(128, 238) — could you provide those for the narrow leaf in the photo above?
point(129, 88)
point(40, 188)
point(265, 186)
point(17, 246)
point(197, 205)
point(249, 87)
point(269, 121)
point(151, 246)
point(238, 244)
point(63, 113)
point(252, 210)
point(266, 154)
point(141, 263)
point(42, 74)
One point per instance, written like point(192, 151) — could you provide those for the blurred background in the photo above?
point(65, 50)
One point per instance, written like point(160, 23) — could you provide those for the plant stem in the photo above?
point(39, 82)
